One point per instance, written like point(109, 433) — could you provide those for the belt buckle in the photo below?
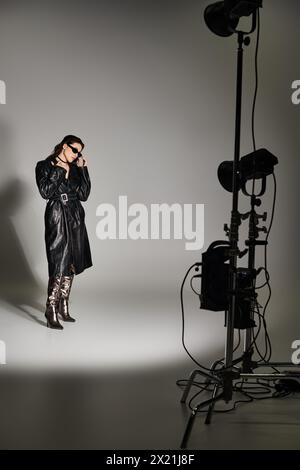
point(64, 197)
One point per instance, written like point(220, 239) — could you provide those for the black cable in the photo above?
point(267, 276)
point(255, 92)
point(206, 388)
point(191, 284)
point(268, 347)
point(253, 130)
point(183, 321)
point(268, 357)
point(253, 342)
point(182, 315)
point(221, 361)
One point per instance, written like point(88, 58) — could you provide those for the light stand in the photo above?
point(224, 378)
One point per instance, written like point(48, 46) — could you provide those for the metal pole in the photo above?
point(234, 227)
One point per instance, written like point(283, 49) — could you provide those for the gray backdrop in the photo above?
point(151, 92)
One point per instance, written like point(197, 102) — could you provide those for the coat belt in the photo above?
point(64, 197)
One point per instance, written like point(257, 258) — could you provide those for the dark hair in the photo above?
point(68, 139)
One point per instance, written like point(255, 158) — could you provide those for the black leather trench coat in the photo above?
point(67, 244)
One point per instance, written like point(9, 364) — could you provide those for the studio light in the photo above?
point(257, 165)
point(222, 18)
point(217, 20)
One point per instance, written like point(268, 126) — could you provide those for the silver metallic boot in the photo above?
point(52, 303)
point(63, 305)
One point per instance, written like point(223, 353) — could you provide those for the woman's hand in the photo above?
point(81, 161)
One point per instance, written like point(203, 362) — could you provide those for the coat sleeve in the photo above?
point(48, 179)
point(85, 184)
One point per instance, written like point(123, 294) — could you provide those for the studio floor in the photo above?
point(109, 382)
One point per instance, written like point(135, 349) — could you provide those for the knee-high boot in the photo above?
point(63, 305)
point(52, 302)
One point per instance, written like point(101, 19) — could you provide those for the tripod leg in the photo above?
point(188, 430)
point(212, 405)
point(191, 420)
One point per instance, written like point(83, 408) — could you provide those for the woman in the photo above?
point(63, 179)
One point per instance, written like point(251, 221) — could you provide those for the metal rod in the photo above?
point(277, 364)
point(234, 224)
point(266, 376)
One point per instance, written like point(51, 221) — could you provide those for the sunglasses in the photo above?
point(74, 150)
